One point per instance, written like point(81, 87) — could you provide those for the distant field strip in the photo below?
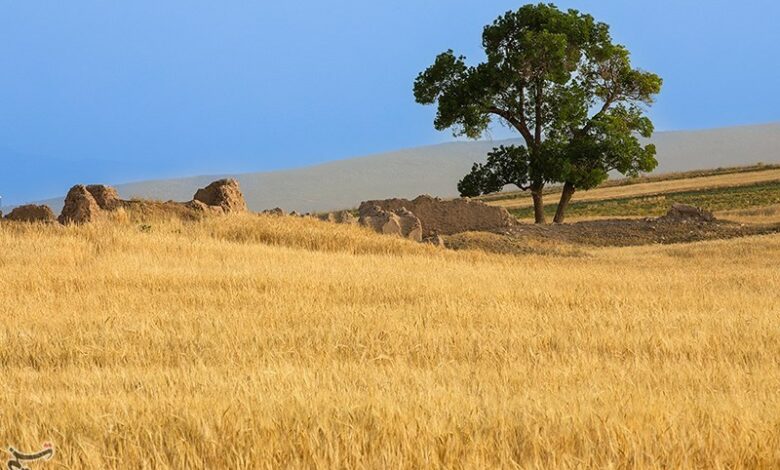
point(725, 198)
point(653, 189)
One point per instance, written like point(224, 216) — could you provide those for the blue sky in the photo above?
point(140, 89)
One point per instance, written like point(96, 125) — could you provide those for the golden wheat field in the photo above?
point(260, 342)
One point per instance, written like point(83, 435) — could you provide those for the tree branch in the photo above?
point(519, 125)
point(522, 112)
point(604, 108)
point(538, 131)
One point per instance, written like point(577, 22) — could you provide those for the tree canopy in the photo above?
point(559, 80)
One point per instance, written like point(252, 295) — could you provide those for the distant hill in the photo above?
point(436, 170)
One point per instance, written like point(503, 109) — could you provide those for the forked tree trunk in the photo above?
point(568, 192)
point(536, 194)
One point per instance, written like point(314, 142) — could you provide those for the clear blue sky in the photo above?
point(173, 87)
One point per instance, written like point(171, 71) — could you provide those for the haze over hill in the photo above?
point(436, 170)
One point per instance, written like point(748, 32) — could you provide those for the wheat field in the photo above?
point(606, 192)
point(261, 342)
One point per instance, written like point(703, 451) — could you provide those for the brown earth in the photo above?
point(144, 210)
point(446, 217)
point(106, 197)
point(85, 204)
point(339, 217)
point(435, 240)
point(622, 232)
point(201, 207)
point(542, 239)
point(32, 213)
point(225, 193)
point(401, 222)
point(277, 211)
point(685, 213)
point(681, 224)
point(80, 207)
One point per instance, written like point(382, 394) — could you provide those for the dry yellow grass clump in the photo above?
point(757, 215)
point(261, 342)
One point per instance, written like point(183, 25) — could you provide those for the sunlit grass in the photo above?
point(263, 342)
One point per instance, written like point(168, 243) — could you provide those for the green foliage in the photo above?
point(611, 143)
point(527, 51)
point(559, 80)
point(471, 185)
point(456, 88)
point(505, 165)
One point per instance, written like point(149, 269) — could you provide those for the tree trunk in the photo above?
point(568, 192)
point(536, 194)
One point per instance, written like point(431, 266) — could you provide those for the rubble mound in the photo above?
point(106, 197)
point(203, 208)
point(440, 217)
point(225, 193)
point(435, 240)
point(276, 211)
point(340, 217)
point(32, 213)
point(683, 213)
point(85, 204)
point(80, 207)
point(401, 222)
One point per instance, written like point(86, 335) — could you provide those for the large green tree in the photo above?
point(559, 80)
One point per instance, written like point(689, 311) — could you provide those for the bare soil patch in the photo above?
point(445, 217)
point(631, 232)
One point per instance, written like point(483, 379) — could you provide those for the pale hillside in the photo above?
point(436, 170)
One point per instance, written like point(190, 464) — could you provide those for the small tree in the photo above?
point(559, 81)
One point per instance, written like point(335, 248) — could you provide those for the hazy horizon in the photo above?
point(435, 170)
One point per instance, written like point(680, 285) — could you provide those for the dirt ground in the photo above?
point(605, 232)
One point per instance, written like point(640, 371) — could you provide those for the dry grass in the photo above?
point(255, 342)
point(758, 215)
